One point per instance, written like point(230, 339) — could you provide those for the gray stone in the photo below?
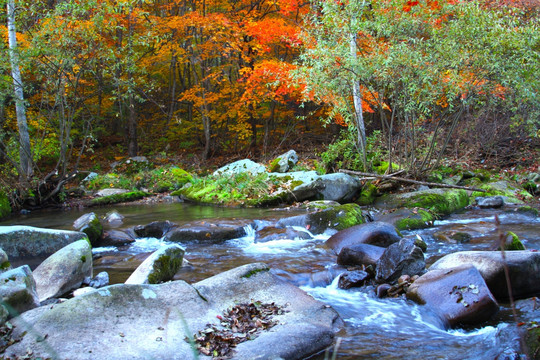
point(18, 290)
point(114, 218)
point(21, 242)
point(373, 233)
point(340, 187)
point(523, 267)
point(152, 321)
point(459, 295)
point(91, 226)
point(64, 270)
point(490, 201)
point(116, 238)
point(108, 192)
point(360, 254)
point(284, 162)
point(159, 267)
point(239, 167)
point(207, 232)
point(400, 258)
point(156, 229)
point(100, 280)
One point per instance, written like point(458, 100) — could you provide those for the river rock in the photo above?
point(116, 238)
point(407, 219)
point(18, 291)
point(100, 280)
point(206, 231)
point(490, 201)
point(337, 218)
point(21, 242)
point(459, 295)
point(353, 278)
point(373, 233)
point(156, 229)
point(239, 167)
point(5, 265)
point(152, 321)
point(400, 258)
point(159, 267)
point(91, 226)
point(523, 267)
point(272, 233)
point(437, 201)
point(109, 192)
point(360, 254)
point(64, 270)
point(284, 162)
point(114, 218)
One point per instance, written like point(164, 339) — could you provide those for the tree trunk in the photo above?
point(133, 147)
point(357, 102)
point(25, 153)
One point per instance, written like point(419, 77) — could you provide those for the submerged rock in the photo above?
point(21, 242)
point(159, 267)
point(373, 233)
point(459, 295)
point(153, 321)
point(401, 258)
point(64, 270)
point(18, 291)
point(523, 267)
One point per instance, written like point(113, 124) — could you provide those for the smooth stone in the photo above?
point(156, 229)
point(18, 290)
point(360, 254)
point(374, 233)
point(490, 202)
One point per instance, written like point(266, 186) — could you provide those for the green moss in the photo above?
point(274, 165)
point(118, 198)
point(254, 272)
point(512, 242)
point(503, 189)
point(5, 208)
point(528, 210)
point(421, 219)
point(438, 202)
point(5, 265)
point(368, 194)
point(338, 217)
point(83, 258)
point(165, 267)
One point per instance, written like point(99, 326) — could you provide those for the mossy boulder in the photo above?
point(511, 192)
point(339, 218)
point(5, 208)
point(91, 226)
point(408, 219)
point(118, 198)
point(512, 242)
point(284, 162)
point(159, 267)
point(367, 195)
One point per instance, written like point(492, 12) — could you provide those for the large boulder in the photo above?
point(401, 258)
point(372, 233)
point(91, 226)
point(523, 267)
point(64, 270)
point(153, 321)
point(159, 267)
point(207, 231)
point(360, 254)
point(21, 242)
point(334, 217)
point(239, 167)
point(284, 162)
point(459, 295)
point(339, 187)
point(437, 201)
point(18, 290)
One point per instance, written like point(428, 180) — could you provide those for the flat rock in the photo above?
point(64, 270)
point(108, 192)
point(523, 267)
point(459, 295)
point(20, 242)
point(374, 233)
point(152, 321)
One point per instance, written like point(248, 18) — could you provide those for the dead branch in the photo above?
point(397, 178)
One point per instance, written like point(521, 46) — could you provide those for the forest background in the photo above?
point(200, 83)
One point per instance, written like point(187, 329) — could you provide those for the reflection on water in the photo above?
point(374, 328)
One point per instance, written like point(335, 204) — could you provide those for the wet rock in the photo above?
point(204, 231)
point(284, 162)
point(64, 270)
point(100, 280)
point(156, 229)
point(523, 267)
point(338, 218)
point(408, 219)
point(21, 242)
point(5, 265)
point(490, 202)
point(273, 233)
point(159, 267)
point(18, 291)
point(458, 237)
point(90, 225)
point(403, 257)
point(239, 167)
point(459, 295)
point(354, 278)
point(114, 218)
point(373, 233)
point(325, 277)
point(116, 238)
point(360, 254)
point(150, 321)
point(382, 290)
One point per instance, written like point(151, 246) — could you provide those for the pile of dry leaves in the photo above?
point(241, 323)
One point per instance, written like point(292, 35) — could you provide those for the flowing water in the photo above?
point(374, 328)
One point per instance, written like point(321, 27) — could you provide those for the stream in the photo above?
point(390, 328)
